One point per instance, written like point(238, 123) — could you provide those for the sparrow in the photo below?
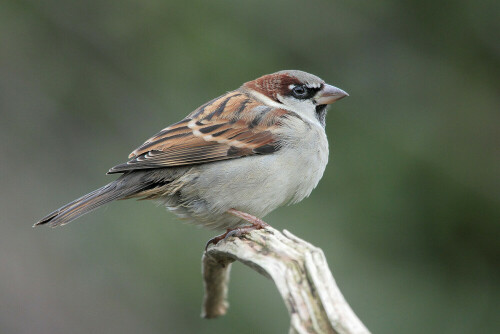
point(231, 161)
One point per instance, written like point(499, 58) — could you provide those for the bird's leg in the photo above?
point(256, 224)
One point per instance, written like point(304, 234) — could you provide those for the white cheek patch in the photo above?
point(304, 108)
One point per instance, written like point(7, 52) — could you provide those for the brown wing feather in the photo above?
point(231, 126)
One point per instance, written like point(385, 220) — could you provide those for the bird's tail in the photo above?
point(115, 190)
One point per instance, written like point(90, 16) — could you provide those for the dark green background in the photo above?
point(407, 212)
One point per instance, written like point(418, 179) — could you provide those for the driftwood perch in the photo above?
point(298, 269)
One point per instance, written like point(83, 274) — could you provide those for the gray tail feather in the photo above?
point(85, 204)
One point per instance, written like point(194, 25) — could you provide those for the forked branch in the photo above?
point(298, 269)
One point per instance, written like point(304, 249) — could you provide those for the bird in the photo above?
point(232, 160)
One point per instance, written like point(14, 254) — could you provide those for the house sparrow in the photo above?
point(231, 161)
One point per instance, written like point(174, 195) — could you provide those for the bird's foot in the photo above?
point(256, 224)
point(215, 240)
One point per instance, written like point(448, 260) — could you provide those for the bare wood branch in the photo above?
point(298, 269)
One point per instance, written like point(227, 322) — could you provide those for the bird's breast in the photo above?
point(311, 157)
point(255, 184)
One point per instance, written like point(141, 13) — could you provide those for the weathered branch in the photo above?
point(298, 269)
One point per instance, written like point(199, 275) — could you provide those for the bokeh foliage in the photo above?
point(407, 212)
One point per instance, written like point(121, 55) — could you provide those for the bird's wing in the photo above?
point(231, 126)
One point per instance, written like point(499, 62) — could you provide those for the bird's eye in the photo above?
point(300, 92)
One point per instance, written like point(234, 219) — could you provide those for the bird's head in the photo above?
point(297, 91)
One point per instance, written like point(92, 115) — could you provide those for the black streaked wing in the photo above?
point(231, 126)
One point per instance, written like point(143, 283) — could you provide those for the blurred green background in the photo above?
point(407, 212)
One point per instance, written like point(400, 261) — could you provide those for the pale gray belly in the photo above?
point(256, 185)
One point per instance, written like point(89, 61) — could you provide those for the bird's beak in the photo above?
point(329, 94)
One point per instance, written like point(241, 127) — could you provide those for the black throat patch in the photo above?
point(321, 114)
